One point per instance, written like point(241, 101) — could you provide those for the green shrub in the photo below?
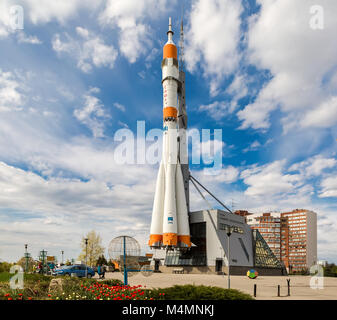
point(191, 292)
point(330, 270)
point(4, 267)
point(5, 276)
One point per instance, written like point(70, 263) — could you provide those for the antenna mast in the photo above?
point(181, 42)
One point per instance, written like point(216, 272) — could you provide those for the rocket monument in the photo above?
point(170, 222)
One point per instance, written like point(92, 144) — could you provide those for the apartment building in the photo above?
point(302, 241)
point(292, 236)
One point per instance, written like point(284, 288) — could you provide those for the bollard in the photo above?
point(288, 281)
point(278, 290)
point(254, 290)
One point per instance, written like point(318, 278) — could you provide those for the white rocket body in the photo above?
point(170, 225)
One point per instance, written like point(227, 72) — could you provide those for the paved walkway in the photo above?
point(266, 285)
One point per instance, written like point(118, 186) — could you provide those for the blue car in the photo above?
point(78, 270)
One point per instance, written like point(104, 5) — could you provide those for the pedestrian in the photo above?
point(103, 272)
point(40, 267)
point(99, 271)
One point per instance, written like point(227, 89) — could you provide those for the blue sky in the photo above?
point(80, 71)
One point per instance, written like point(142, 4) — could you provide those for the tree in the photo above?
point(22, 263)
point(330, 270)
point(5, 266)
point(101, 260)
point(94, 250)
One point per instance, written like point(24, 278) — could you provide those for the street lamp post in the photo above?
point(43, 255)
point(26, 256)
point(229, 232)
point(124, 261)
point(62, 252)
point(86, 257)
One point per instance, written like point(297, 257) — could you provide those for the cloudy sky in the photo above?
point(81, 70)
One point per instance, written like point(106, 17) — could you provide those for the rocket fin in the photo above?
point(184, 238)
point(156, 234)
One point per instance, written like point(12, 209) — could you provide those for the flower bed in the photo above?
point(37, 288)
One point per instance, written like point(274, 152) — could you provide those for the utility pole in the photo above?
point(27, 256)
point(62, 252)
point(86, 257)
point(229, 231)
point(125, 268)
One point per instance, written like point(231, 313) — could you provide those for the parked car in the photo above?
point(78, 270)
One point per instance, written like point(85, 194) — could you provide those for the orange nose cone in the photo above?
point(170, 51)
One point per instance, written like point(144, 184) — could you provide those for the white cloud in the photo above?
point(318, 164)
point(227, 174)
point(238, 89)
point(119, 106)
point(131, 18)
point(280, 40)
point(212, 39)
point(89, 51)
point(322, 116)
point(269, 180)
point(314, 166)
point(10, 96)
point(329, 187)
point(4, 19)
point(217, 110)
point(92, 114)
point(253, 146)
point(123, 124)
point(23, 38)
point(43, 11)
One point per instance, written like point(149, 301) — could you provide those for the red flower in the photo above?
point(29, 298)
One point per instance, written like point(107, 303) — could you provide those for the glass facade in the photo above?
point(196, 256)
point(263, 255)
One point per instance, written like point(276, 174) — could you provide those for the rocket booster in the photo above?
point(169, 224)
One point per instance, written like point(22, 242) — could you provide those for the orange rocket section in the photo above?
point(170, 239)
point(170, 112)
point(170, 51)
point(155, 238)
